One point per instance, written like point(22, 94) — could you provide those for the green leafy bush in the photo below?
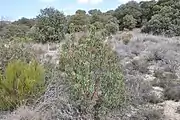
point(93, 72)
point(20, 83)
point(131, 8)
point(51, 26)
point(71, 28)
point(79, 20)
point(11, 30)
point(159, 25)
point(98, 25)
point(77, 28)
point(112, 28)
point(22, 39)
point(129, 22)
point(25, 21)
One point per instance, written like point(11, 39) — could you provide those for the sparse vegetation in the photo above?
point(172, 93)
point(12, 51)
point(92, 65)
point(149, 115)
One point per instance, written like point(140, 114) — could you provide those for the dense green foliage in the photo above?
point(79, 21)
point(111, 28)
point(51, 25)
point(166, 20)
point(130, 8)
point(11, 30)
point(98, 25)
point(147, 8)
point(25, 21)
point(20, 83)
point(129, 22)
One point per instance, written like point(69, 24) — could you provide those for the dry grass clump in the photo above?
point(155, 56)
point(151, 114)
point(154, 97)
point(126, 37)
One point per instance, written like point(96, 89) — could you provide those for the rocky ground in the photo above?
point(151, 67)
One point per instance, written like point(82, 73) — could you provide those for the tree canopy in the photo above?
point(166, 19)
point(51, 25)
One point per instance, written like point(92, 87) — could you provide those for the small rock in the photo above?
point(149, 77)
point(151, 69)
point(170, 108)
point(158, 89)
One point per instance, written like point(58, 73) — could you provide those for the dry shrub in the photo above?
point(148, 114)
point(165, 83)
point(126, 37)
point(140, 65)
point(154, 115)
point(13, 51)
point(154, 98)
point(159, 52)
point(178, 110)
point(137, 89)
point(172, 93)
